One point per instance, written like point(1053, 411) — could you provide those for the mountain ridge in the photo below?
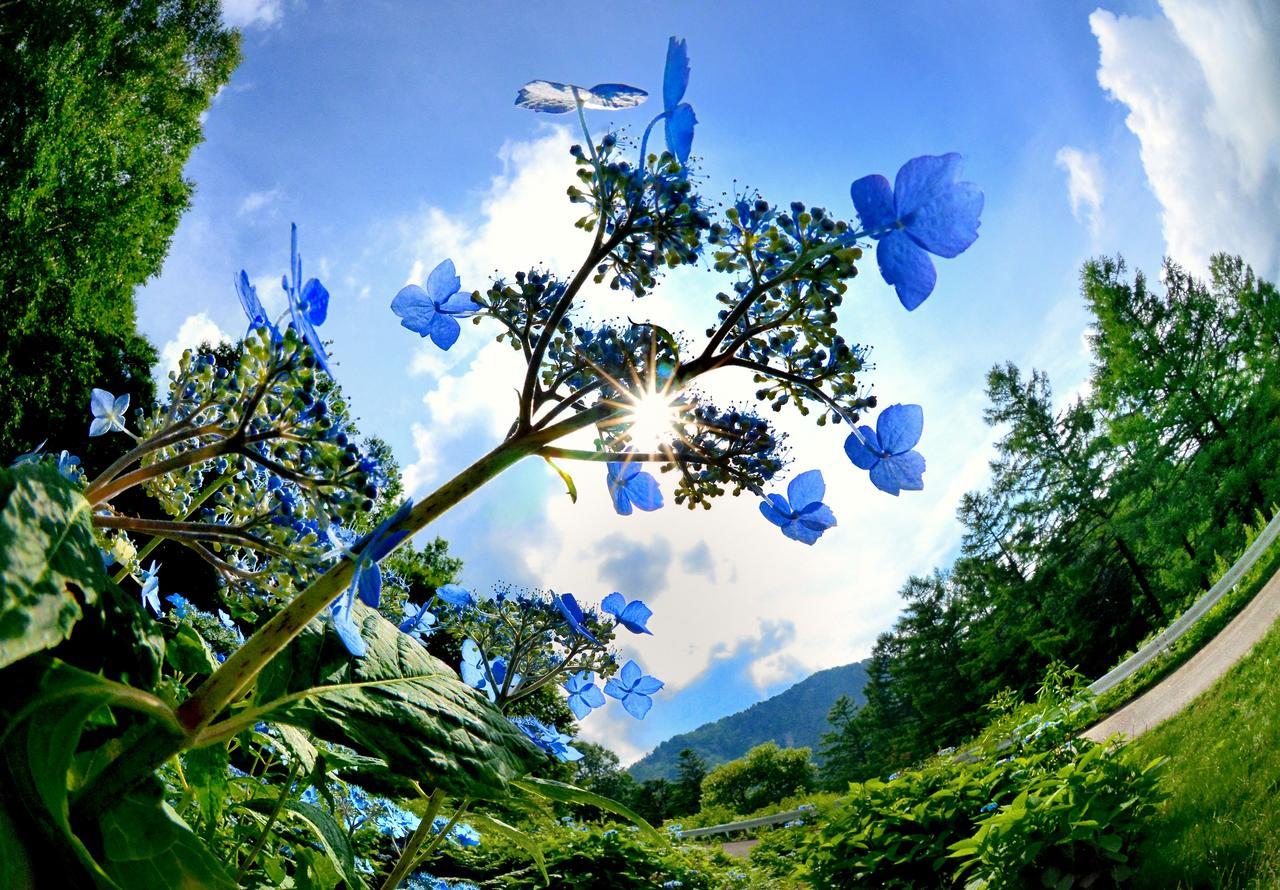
point(794, 718)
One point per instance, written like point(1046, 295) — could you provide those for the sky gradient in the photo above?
point(387, 132)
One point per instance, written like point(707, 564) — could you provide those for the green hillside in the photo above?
point(794, 718)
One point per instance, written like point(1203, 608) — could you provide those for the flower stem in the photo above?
point(285, 793)
point(416, 840)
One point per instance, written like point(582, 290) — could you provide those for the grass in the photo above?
point(1220, 827)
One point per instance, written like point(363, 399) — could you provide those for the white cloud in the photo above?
point(255, 201)
point(1202, 85)
point(196, 329)
point(1084, 185)
point(252, 13)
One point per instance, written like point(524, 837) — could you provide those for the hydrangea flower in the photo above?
point(801, 514)
point(434, 311)
point(629, 486)
point(548, 738)
point(887, 452)
point(252, 306)
point(572, 612)
point(584, 695)
point(181, 605)
point(926, 211)
point(69, 466)
point(464, 835)
point(633, 687)
point(108, 412)
point(679, 116)
point(474, 673)
point(418, 621)
point(367, 581)
point(151, 587)
point(30, 457)
point(308, 303)
point(552, 97)
point(631, 615)
point(396, 822)
point(456, 595)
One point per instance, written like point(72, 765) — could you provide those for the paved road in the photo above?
point(1188, 682)
point(740, 848)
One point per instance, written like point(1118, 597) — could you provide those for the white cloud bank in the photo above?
point(196, 329)
point(1202, 85)
point(252, 13)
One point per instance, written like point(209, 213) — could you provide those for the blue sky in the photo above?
point(387, 132)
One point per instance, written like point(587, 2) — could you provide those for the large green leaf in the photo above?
point(333, 839)
point(563, 792)
point(148, 845)
point(50, 567)
point(398, 704)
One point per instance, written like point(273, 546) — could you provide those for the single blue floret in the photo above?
point(633, 687)
point(887, 451)
point(630, 486)
point(584, 695)
point(108, 412)
point(926, 211)
point(573, 615)
point(181, 605)
point(548, 738)
point(434, 311)
point(151, 587)
point(801, 514)
point(490, 677)
point(418, 621)
point(456, 595)
point(632, 615)
point(308, 303)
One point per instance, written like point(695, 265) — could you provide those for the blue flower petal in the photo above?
point(455, 595)
point(249, 300)
point(593, 696)
point(637, 705)
point(635, 617)
point(621, 503)
point(675, 78)
point(100, 402)
point(99, 426)
point(820, 518)
point(369, 585)
point(444, 330)
point(948, 224)
point(415, 309)
point(798, 531)
point(859, 449)
point(579, 707)
point(644, 492)
point(347, 630)
point(899, 427)
point(679, 131)
point(805, 489)
point(613, 604)
point(459, 305)
point(873, 200)
point(647, 685)
point(906, 266)
point(630, 673)
point(776, 510)
point(922, 180)
point(315, 301)
point(901, 472)
point(443, 282)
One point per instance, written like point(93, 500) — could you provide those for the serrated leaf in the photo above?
point(334, 841)
point(527, 842)
point(398, 704)
point(146, 844)
point(562, 792)
point(50, 567)
point(206, 772)
point(295, 741)
point(188, 653)
point(566, 478)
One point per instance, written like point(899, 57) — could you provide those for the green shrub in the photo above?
point(764, 776)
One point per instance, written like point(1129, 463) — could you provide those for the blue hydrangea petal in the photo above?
point(457, 596)
point(857, 448)
point(623, 471)
point(607, 96)
point(873, 200)
point(459, 305)
point(679, 131)
point(415, 309)
point(578, 706)
point(121, 405)
point(100, 426)
point(798, 531)
point(922, 180)
point(443, 282)
point(592, 696)
point(647, 685)
point(348, 632)
point(100, 402)
point(905, 265)
point(805, 489)
point(635, 617)
point(444, 331)
point(901, 472)
point(675, 77)
point(630, 673)
point(899, 427)
point(369, 585)
point(315, 301)
point(819, 518)
point(621, 502)
point(948, 224)
point(637, 705)
point(613, 604)
point(249, 300)
point(776, 510)
point(644, 492)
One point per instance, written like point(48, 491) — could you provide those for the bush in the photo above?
point(766, 775)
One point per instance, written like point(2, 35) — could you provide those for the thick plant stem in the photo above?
point(416, 840)
point(285, 792)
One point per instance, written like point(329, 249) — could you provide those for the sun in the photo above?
point(650, 420)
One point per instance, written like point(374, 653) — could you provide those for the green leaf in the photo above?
point(562, 792)
point(295, 741)
point(333, 839)
point(50, 567)
point(206, 772)
point(16, 871)
point(398, 703)
point(188, 653)
point(146, 844)
point(530, 845)
point(568, 480)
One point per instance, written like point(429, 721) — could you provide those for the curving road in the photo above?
point(1200, 672)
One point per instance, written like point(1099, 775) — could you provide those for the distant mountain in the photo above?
point(794, 718)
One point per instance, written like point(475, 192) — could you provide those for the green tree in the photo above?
point(766, 775)
point(686, 795)
point(100, 105)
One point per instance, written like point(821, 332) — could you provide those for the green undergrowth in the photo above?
point(1204, 630)
point(1220, 826)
